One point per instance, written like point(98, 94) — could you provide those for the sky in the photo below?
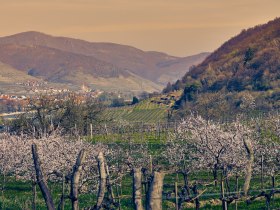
point(176, 27)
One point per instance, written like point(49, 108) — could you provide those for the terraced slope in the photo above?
point(145, 111)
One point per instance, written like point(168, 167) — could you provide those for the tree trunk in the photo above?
point(109, 186)
point(154, 201)
point(215, 174)
point(102, 180)
point(62, 198)
point(195, 191)
point(75, 178)
point(248, 175)
point(186, 182)
point(137, 189)
point(41, 179)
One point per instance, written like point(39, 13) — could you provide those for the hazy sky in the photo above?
point(178, 27)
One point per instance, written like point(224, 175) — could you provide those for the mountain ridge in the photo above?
point(142, 63)
point(55, 58)
point(245, 69)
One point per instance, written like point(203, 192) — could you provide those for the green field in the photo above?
point(18, 195)
point(145, 111)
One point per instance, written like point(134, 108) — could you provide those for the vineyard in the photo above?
point(145, 111)
point(19, 194)
point(190, 164)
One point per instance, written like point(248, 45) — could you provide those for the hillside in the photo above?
point(9, 79)
point(69, 68)
point(15, 82)
point(242, 75)
point(11, 75)
point(157, 67)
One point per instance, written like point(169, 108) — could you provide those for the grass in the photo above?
point(18, 194)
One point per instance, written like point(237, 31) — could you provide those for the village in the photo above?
point(10, 103)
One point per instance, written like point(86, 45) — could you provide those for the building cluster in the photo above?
point(12, 103)
point(12, 97)
point(19, 103)
point(33, 83)
point(49, 90)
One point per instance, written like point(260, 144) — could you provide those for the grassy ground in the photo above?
point(18, 194)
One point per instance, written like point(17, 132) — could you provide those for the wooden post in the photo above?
point(224, 202)
point(237, 190)
point(106, 130)
point(34, 193)
point(151, 164)
point(63, 192)
point(121, 189)
point(176, 197)
point(159, 131)
point(262, 173)
point(91, 130)
point(273, 188)
point(142, 132)
point(186, 178)
point(3, 189)
point(119, 198)
point(34, 131)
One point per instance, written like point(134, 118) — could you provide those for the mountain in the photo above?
point(16, 82)
point(10, 75)
point(68, 68)
point(242, 75)
point(175, 69)
point(62, 59)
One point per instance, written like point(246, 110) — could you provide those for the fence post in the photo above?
point(91, 130)
point(273, 188)
point(224, 202)
point(262, 173)
point(119, 198)
point(151, 164)
point(63, 191)
point(34, 193)
point(142, 132)
point(237, 190)
point(176, 197)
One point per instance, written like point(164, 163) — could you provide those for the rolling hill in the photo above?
point(67, 60)
point(242, 75)
point(10, 75)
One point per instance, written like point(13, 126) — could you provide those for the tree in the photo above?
point(214, 145)
point(117, 102)
point(135, 100)
point(48, 113)
point(168, 88)
point(249, 55)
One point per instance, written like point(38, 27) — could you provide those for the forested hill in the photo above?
point(243, 74)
